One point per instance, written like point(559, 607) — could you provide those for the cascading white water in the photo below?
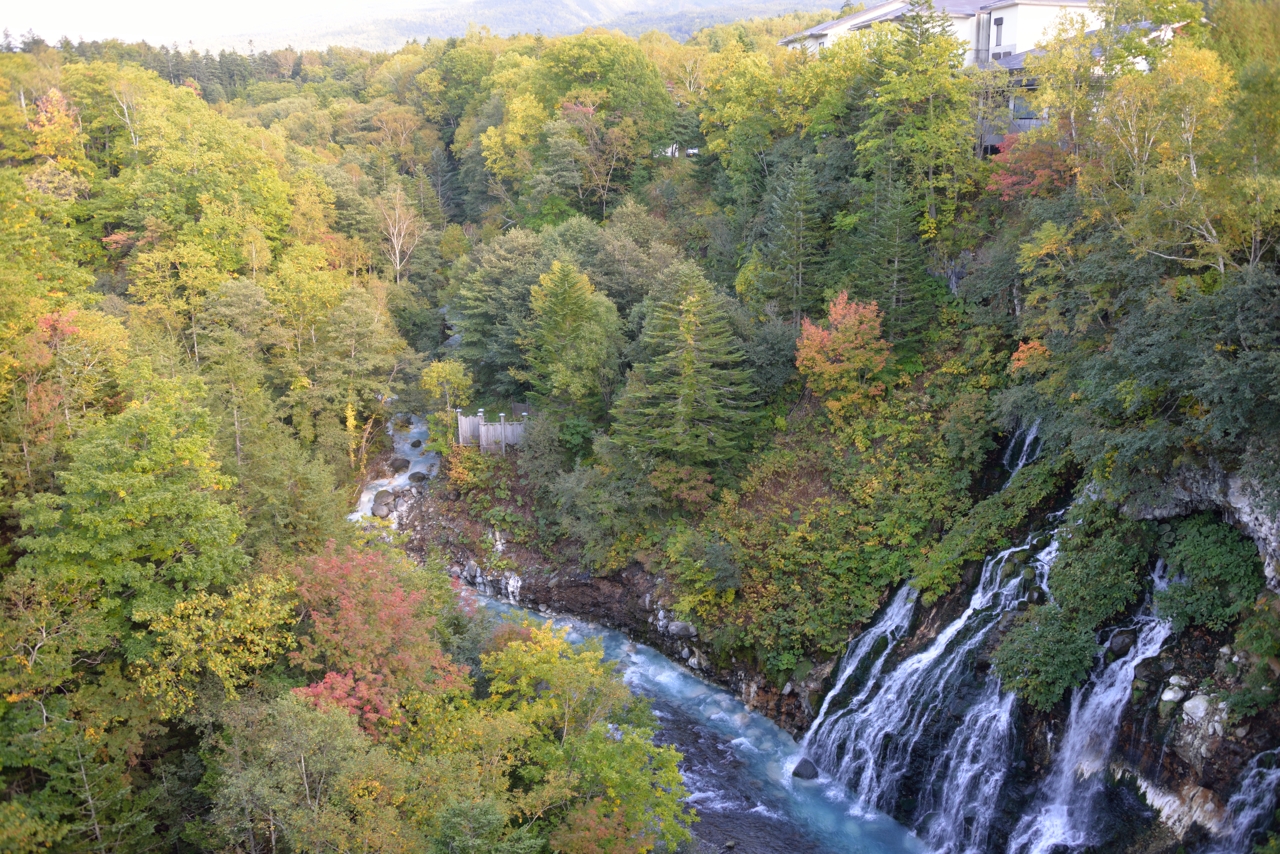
point(867, 653)
point(1065, 814)
point(956, 812)
point(891, 723)
point(1253, 805)
point(871, 744)
point(1023, 448)
point(403, 435)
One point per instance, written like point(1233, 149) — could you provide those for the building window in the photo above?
point(999, 22)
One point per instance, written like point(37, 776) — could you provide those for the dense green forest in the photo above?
point(778, 315)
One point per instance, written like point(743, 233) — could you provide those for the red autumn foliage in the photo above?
point(370, 630)
point(591, 829)
point(365, 698)
point(1029, 169)
point(843, 362)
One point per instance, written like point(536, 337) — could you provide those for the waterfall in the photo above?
point(867, 653)
point(872, 743)
point(1252, 807)
point(1023, 448)
point(957, 811)
point(1066, 812)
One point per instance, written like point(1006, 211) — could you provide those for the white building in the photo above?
point(989, 31)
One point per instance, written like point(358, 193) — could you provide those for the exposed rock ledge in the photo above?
point(1193, 488)
point(1190, 805)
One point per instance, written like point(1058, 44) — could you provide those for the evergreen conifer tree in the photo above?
point(889, 267)
point(572, 342)
point(690, 403)
point(794, 239)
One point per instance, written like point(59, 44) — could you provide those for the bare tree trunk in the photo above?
point(93, 805)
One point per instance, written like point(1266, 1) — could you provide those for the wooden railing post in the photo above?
point(502, 420)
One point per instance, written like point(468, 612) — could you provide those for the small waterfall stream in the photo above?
point(1253, 806)
point(1065, 814)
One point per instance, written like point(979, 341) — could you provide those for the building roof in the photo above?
point(827, 26)
point(1003, 4)
point(890, 9)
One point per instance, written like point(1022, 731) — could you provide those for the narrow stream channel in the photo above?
point(736, 762)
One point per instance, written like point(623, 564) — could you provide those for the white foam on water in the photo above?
point(403, 435)
point(762, 753)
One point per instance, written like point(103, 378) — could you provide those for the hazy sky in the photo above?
point(221, 23)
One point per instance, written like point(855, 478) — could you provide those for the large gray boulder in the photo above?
point(805, 770)
point(1196, 707)
point(399, 464)
point(682, 630)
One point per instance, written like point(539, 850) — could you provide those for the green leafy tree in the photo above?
point(140, 515)
point(306, 776)
point(918, 120)
point(448, 383)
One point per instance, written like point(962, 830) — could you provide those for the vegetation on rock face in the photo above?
point(778, 313)
point(1045, 654)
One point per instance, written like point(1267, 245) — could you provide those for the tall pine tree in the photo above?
point(889, 267)
point(689, 404)
point(794, 240)
point(571, 346)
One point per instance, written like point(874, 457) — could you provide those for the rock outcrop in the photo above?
point(1192, 489)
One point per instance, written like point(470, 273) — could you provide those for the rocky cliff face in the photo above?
point(1241, 500)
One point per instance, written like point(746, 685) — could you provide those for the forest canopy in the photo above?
point(778, 316)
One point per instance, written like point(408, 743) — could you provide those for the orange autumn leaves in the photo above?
point(844, 361)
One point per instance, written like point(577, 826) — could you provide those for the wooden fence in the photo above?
point(492, 436)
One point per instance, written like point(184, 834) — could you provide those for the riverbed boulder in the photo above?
point(682, 630)
point(417, 477)
point(399, 464)
point(805, 770)
point(1122, 642)
point(416, 443)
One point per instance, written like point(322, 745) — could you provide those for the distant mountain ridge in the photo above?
point(679, 19)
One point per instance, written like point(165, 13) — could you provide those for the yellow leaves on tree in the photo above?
point(843, 362)
point(508, 147)
point(227, 637)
